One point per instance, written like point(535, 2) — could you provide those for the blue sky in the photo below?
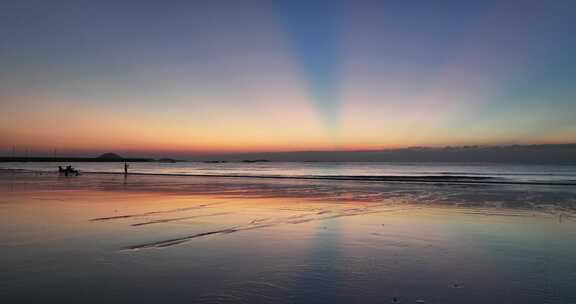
point(286, 75)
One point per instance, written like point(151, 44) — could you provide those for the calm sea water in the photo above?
point(358, 170)
point(107, 238)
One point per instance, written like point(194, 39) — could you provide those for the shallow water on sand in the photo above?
point(151, 239)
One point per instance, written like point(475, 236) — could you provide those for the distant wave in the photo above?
point(431, 178)
point(383, 178)
point(497, 174)
point(13, 170)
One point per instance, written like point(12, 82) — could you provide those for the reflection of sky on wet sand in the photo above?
point(217, 240)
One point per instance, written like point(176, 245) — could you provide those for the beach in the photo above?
point(288, 152)
point(143, 238)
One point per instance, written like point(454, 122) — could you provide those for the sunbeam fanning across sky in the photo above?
point(288, 151)
point(285, 75)
point(313, 29)
point(442, 72)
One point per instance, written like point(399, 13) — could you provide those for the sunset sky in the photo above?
point(233, 76)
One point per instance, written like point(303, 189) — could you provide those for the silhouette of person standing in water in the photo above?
point(126, 168)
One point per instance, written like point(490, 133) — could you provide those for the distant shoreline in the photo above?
point(524, 154)
point(72, 159)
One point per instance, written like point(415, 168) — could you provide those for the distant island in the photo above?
point(110, 157)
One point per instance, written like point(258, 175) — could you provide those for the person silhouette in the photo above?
point(126, 168)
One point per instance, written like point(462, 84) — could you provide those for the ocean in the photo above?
point(440, 235)
point(373, 171)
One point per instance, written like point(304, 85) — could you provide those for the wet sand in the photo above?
point(149, 239)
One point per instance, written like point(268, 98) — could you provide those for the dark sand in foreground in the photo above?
point(150, 239)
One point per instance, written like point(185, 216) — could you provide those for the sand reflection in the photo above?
point(256, 241)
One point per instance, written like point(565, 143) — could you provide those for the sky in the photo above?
point(162, 77)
